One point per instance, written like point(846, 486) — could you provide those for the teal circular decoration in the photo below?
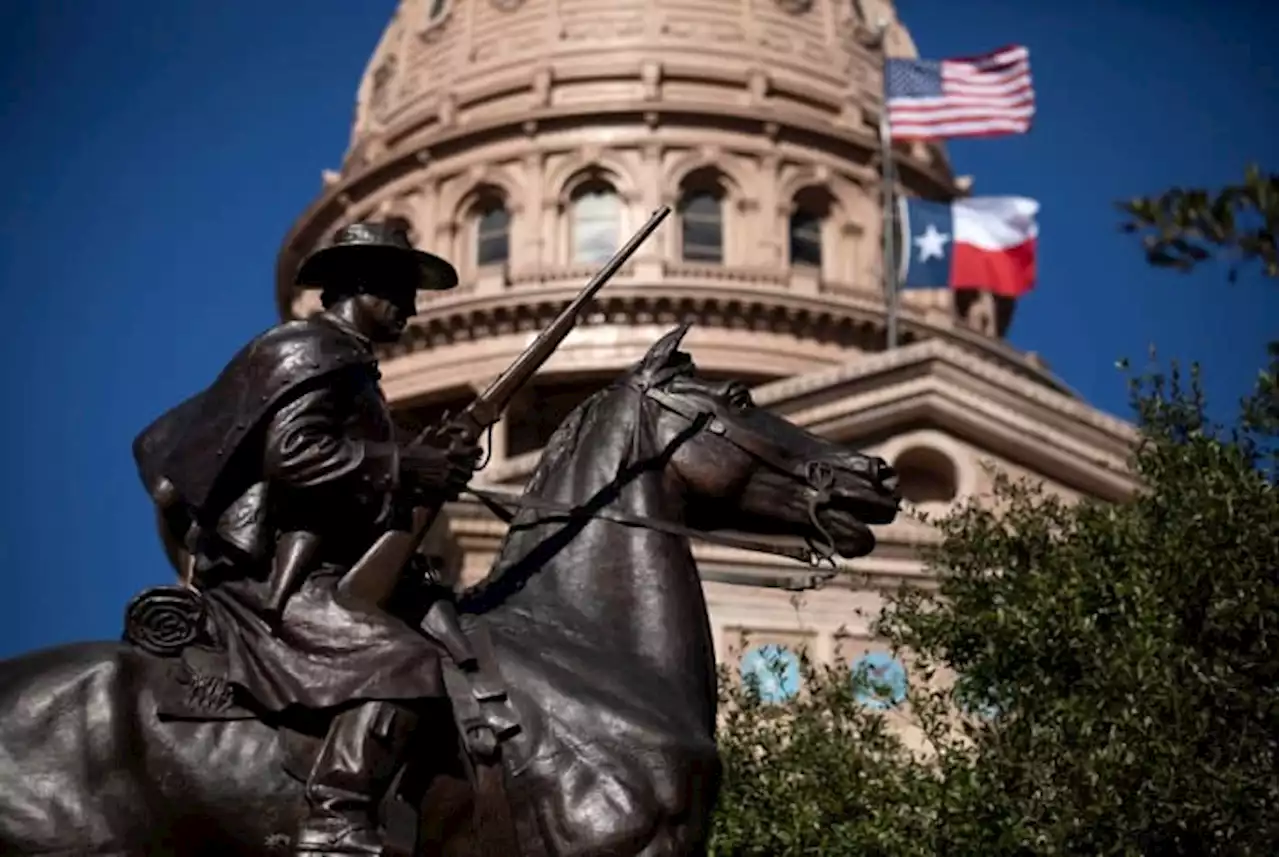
point(883, 680)
point(776, 671)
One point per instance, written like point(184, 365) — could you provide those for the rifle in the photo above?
point(375, 574)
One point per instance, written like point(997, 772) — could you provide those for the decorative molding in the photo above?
point(824, 381)
point(431, 27)
point(1023, 435)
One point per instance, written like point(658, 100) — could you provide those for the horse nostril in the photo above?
point(886, 475)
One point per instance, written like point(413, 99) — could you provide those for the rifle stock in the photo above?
point(374, 575)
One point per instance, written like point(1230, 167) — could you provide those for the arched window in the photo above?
point(805, 238)
point(810, 210)
point(382, 77)
point(402, 224)
point(926, 475)
point(595, 220)
point(493, 231)
point(701, 227)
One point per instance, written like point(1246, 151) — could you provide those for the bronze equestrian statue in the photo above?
point(565, 705)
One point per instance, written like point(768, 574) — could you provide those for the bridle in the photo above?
point(816, 476)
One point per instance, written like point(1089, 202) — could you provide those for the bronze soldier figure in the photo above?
point(277, 478)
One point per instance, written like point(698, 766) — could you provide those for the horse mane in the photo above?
point(562, 445)
point(565, 439)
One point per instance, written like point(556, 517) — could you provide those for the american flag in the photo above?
point(985, 96)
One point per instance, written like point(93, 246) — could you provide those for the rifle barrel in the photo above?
point(487, 408)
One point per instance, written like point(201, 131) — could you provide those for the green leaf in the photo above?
point(1183, 228)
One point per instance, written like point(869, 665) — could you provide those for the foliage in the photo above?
point(1117, 664)
point(820, 775)
point(1183, 227)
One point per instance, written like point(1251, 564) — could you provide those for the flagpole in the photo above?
point(889, 265)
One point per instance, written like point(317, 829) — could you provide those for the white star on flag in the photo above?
point(932, 243)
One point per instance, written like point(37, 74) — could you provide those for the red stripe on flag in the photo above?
point(1010, 272)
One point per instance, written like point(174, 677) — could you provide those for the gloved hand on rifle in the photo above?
point(438, 473)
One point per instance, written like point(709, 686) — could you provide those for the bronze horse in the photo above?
point(594, 614)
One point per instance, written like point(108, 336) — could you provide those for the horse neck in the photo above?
point(627, 591)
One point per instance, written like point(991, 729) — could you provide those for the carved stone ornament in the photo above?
point(795, 7)
point(382, 78)
point(435, 14)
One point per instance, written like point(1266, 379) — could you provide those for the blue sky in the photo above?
point(157, 152)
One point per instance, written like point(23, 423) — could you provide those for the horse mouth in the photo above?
point(849, 535)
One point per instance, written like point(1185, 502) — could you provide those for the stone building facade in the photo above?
point(526, 139)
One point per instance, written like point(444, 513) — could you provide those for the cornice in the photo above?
point(847, 320)
point(1050, 434)
point(790, 393)
point(938, 384)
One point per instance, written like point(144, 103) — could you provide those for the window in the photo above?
point(805, 233)
point(436, 9)
point(402, 224)
point(493, 227)
point(701, 228)
point(880, 681)
point(926, 475)
point(381, 82)
point(595, 221)
point(773, 670)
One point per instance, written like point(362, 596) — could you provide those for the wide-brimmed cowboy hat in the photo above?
point(363, 248)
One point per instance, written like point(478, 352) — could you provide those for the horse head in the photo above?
point(744, 468)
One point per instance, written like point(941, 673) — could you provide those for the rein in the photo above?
point(817, 475)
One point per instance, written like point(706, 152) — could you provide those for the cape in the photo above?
point(196, 444)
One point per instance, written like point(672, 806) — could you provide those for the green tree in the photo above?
point(1126, 653)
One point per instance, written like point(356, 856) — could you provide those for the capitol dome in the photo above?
point(526, 140)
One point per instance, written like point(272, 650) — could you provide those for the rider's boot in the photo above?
point(351, 774)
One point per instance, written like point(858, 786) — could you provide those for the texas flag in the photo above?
point(986, 243)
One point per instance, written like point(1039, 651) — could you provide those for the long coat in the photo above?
point(294, 434)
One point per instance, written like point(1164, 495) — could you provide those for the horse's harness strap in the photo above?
point(500, 503)
point(486, 719)
point(817, 475)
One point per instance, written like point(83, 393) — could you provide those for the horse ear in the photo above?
point(664, 349)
